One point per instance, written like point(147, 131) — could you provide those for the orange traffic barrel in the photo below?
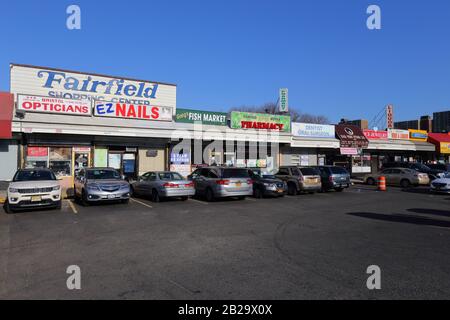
point(382, 183)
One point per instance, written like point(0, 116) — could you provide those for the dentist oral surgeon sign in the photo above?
point(63, 84)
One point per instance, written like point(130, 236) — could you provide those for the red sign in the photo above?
point(6, 113)
point(351, 136)
point(37, 151)
point(261, 125)
point(376, 134)
point(390, 116)
point(53, 105)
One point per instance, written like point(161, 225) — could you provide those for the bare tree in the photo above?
point(272, 108)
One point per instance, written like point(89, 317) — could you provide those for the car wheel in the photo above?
point(155, 196)
point(257, 193)
point(405, 183)
point(7, 207)
point(292, 190)
point(184, 198)
point(209, 195)
point(339, 189)
point(370, 181)
point(84, 199)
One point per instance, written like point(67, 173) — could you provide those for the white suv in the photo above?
point(33, 188)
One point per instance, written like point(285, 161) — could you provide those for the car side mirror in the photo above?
point(123, 177)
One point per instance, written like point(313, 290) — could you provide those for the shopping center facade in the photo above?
point(65, 120)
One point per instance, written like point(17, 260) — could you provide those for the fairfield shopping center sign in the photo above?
point(71, 85)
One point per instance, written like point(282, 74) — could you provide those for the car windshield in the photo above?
point(168, 176)
point(269, 176)
point(338, 170)
point(235, 173)
point(34, 175)
point(102, 174)
point(420, 167)
point(309, 171)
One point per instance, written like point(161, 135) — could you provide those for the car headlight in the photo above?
point(13, 190)
point(267, 184)
point(93, 187)
point(56, 188)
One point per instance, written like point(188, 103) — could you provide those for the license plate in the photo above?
point(36, 198)
point(280, 190)
point(238, 184)
point(111, 196)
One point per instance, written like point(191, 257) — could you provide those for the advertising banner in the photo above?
point(311, 130)
point(397, 134)
point(261, 121)
point(131, 111)
point(53, 105)
point(418, 135)
point(205, 117)
point(37, 152)
point(445, 147)
point(351, 136)
point(375, 134)
point(56, 83)
point(180, 158)
point(349, 151)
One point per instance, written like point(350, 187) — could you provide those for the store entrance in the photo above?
point(124, 162)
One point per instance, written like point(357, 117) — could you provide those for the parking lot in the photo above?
point(297, 247)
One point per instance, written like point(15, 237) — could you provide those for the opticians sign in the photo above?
point(311, 130)
point(57, 83)
point(53, 105)
point(132, 111)
point(260, 121)
point(204, 117)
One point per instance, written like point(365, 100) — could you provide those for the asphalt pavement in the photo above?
point(297, 247)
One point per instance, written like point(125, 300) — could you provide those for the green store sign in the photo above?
point(261, 121)
point(205, 117)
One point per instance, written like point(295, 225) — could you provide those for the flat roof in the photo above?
point(88, 73)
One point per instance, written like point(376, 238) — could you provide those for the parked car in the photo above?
point(100, 184)
point(33, 188)
point(444, 167)
point(333, 177)
point(163, 184)
point(441, 185)
point(300, 179)
point(267, 185)
point(402, 177)
point(419, 167)
point(219, 182)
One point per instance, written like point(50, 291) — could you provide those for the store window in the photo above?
point(60, 161)
point(36, 157)
point(361, 163)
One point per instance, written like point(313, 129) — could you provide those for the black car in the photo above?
point(333, 177)
point(267, 185)
point(445, 167)
point(419, 167)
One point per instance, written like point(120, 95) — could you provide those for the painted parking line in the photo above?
point(140, 202)
point(198, 201)
point(72, 206)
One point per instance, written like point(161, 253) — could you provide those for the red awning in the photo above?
point(439, 137)
point(6, 113)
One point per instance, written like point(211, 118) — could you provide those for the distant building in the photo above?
point(441, 121)
point(405, 125)
point(362, 123)
point(426, 123)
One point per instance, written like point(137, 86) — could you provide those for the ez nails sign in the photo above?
point(132, 111)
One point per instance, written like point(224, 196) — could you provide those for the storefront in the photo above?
point(311, 144)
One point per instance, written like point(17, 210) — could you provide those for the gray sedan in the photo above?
point(163, 184)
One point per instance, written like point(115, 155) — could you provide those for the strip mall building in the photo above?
point(65, 120)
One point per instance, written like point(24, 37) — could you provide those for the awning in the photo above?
point(314, 143)
point(441, 141)
point(405, 145)
point(351, 136)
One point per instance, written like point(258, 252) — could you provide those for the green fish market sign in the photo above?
point(205, 117)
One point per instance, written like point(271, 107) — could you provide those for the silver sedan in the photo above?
point(163, 184)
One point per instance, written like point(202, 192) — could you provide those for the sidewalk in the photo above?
point(3, 187)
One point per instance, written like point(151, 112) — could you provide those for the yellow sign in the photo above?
point(418, 135)
point(445, 147)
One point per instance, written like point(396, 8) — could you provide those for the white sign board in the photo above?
point(53, 105)
point(56, 83)
point(131, 111)
point(283, 100)
point(312, 130)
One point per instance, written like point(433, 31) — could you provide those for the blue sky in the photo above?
point(240, 52)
